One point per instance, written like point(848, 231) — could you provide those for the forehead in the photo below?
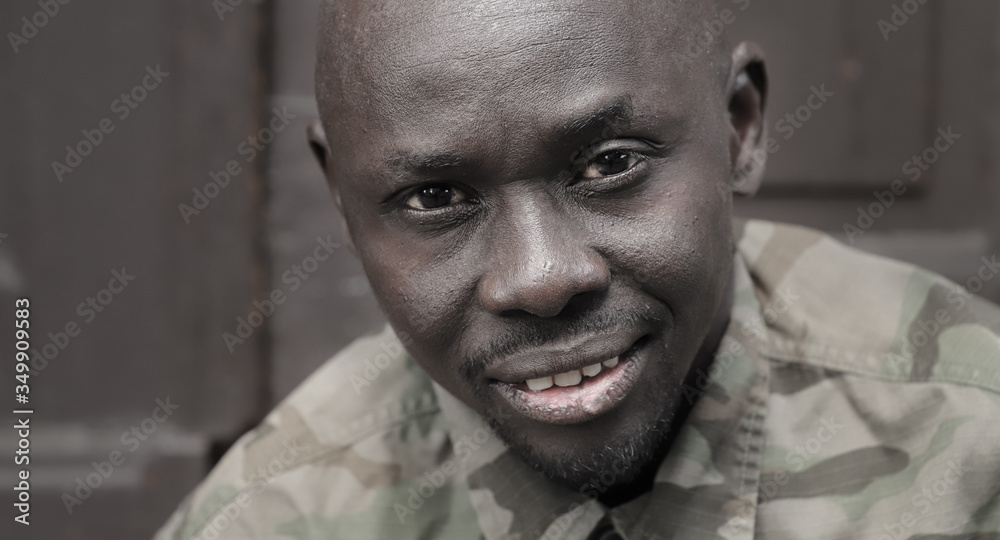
point(446, 70)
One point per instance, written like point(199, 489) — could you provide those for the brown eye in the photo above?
point(433, 197)
point(610, 164)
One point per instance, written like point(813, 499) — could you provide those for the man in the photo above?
point(583, 344)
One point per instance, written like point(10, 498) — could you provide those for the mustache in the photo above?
point(523, 335)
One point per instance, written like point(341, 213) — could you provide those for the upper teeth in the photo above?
point(570, 378)
point(591, 370)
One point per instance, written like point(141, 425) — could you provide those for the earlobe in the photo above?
point(747, 94)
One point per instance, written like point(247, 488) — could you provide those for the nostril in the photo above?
point(541, 281)
point(584, 301)
point(546, 299)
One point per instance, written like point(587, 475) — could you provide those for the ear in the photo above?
point(746, 94)
point(317, 142)
point(321, 150)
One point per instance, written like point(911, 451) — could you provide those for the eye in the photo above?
point(609, 164)
point(434, 197)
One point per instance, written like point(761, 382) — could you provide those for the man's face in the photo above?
point(536, 192)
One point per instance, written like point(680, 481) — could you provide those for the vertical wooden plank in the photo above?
point(162, 335)
point(838, 109)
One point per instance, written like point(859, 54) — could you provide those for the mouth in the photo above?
point(577, 395)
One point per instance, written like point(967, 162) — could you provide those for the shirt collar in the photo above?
point(706, 486)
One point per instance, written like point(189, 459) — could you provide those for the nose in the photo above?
point(539, 261)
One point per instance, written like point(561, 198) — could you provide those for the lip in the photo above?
point(591, 398)
point(561, 357)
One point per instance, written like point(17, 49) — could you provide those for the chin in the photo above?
point(626, 450)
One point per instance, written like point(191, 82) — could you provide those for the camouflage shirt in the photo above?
point(852, 397)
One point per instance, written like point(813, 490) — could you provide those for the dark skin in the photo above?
point(517, 179)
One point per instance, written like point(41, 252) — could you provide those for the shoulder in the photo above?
point(884, 389)
point(836, 307)
point(355, 431)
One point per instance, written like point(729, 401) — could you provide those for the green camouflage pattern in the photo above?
point(852, 397)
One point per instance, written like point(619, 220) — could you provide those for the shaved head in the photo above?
point(357, 40)
point(541, 192)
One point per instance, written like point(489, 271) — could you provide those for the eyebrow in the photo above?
point(618, 112)
point(426, 164)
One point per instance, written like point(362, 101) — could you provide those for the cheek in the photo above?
point(419, 291)
point(679, 247)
